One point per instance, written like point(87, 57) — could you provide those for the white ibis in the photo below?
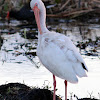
point(56, 51)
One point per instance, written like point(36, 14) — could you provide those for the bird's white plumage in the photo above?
point(57, 52)
point(59, 55)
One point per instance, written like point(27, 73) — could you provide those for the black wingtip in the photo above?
point(84, 67)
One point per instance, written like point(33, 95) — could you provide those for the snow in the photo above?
point(26, 72)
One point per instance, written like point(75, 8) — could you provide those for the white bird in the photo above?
point(56, 51)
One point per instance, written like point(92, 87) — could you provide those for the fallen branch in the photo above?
point(64, 5)
point(67, 14)
point(97, 1)
point(31, 60)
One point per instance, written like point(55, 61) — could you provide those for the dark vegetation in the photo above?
point(56, 8)
point(18, 91)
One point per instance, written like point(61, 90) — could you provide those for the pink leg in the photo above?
point(54, 84)
point(65, 90)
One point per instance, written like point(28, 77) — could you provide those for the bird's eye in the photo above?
point(36, 4)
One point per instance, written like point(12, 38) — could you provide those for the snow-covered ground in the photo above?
point(26, 72)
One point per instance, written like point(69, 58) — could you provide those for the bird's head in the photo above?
point(36, 6)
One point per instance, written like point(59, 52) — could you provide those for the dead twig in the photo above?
point(64, 4)
point(71, 13)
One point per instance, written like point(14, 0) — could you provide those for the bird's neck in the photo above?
point(43, 20)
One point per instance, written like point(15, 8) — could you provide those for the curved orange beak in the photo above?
point(37, 17)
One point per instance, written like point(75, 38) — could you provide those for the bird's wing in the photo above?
point(59, 51)
point(70, 50)
point(55, 61)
